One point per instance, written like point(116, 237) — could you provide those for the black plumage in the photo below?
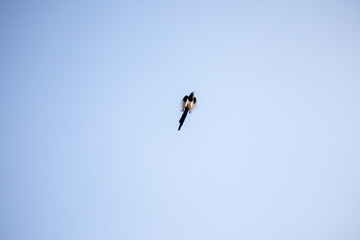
point(188, 104)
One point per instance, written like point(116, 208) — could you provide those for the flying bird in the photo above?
point(188, 104)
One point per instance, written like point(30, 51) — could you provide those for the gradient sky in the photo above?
point(89, 110)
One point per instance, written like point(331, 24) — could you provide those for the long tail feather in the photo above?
point(182, 119)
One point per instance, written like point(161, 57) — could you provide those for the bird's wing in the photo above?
point(182, 103)
point(194, 106)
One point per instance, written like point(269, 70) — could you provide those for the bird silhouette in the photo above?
point(188, 104)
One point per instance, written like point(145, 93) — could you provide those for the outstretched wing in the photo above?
point(182, 103)
point(194, 106)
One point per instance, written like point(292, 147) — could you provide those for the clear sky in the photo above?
point(89, 110)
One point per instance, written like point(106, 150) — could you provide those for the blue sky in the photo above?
point(89, 100)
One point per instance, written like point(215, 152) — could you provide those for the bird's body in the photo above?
point(188, 104)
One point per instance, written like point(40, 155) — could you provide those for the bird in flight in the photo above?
point(188, 104)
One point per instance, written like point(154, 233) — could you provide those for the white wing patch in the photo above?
point(182, 105)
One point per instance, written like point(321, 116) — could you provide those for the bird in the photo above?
point(188, 104)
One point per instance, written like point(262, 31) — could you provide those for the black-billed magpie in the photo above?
point(188, 104)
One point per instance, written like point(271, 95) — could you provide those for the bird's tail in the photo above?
point(182, 119)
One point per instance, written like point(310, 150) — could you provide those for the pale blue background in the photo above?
point(89, 110)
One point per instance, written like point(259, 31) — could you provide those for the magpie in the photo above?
point(188, 104)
